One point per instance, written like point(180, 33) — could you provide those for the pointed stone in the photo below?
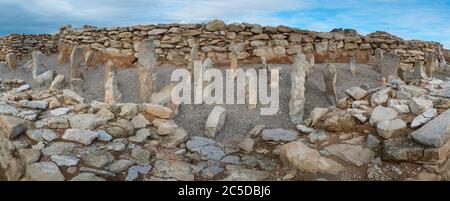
point(419, 72)
point(431, 64)
point(11, 60)
point(215, 121)
point(378, 59)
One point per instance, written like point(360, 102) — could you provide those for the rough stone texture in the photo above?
point(309, 160)
point(146, 67)
point(81, 136)
point(44, 171)
point(215, 121)
point(419, 72)
point(352, 65)
point(388, 128)
point(419, 105)
point(38, 63)
point(11, 60)
point(330, 83)
point(298, 78)
point(381, 113)
point(356, 93)
point(279, 135)
point(12, 127)
point(389, 65)
point(354, 154)
point(435, 133)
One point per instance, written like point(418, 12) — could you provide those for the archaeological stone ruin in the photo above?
point(96, 104)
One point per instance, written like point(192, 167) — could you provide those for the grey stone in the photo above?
point(65, 160)
point(279, 135)
point(146, 68)
point(99, 159)
point(140, 154)
point(84, 137)
point(354, 154)
point(330, 83)
point(120, 165)
point(12, 127)
point(29, 156)
point(87, 177)
point(39, 60)
point(381, 113)
point(44, 171)
point(174, 169)
point(59, 148)
point(134, 171)
point(435, 133)
point(356, 93)
point(420, 105)
point(215, 121)
point(297, 100)
point(388, 128)
point(389, 65)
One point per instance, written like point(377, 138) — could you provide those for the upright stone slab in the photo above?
point(378, 59)
point(89, 58)
point(234, 62)
point(330, 83)
point(264, 62)
point(297, 101)
point(431, 64)
point(38, 63)
point(11, 60)
point(146, 69)
point(192, 57)
point(215, 121)
point(76, 81)
point(64, 53)
point(389, 65)
point(76, 57)
point(112, 92)
point(352, 65)
point(419, 72)
point(311, 62)
point(109, 68)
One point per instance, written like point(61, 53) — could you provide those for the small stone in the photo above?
point(59, 148)
point(167, 127)
point(60, 111)
point(44, 171)
point(158, 111)
point(128, 111)
point(318, 136)
point(356, 93)
point(139, 121)
point(420, 105)
point(99, 159)
point(34, 104)
point(381, 113)
point(140, 154)
point(29, 156)
point(141, 136)
point(104, 136)
point(388, 128)
point(134, 171)
point(64, 160)
point(248, 145)
point(279, 135)
point(372, 142)
point(12, 127)
point(120, 165)
point(304, 129)
point(84, 137)
point(175, 138)
point(87, 177)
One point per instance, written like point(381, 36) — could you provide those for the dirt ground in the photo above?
point(239, 119)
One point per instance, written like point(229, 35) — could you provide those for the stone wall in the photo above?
point(277, 44)
point(22, 45)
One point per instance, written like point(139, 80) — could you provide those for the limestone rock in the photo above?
point(215, 121)
point(424, 118)
point(420, 105)
point(381, 113)
point(354, 154)
point(158, 111)
point(435, 133)
point(388, 128)
point(279, 135)
point(297, 100)
point(44, 171)
point(12, 127)
point(330, 83)
point(309, 160)
point(84, 137)
point(357, 93)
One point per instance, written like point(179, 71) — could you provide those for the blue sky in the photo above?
point(409, 19)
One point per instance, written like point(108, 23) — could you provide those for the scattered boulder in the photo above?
point(435, 133)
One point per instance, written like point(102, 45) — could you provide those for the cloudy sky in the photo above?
point(409, 19)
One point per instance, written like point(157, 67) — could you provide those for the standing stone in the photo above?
point(330, 83)
point(431, 64)
point(11, 59)
point(192, 57)
point(146, 68)
point(234, 59)
point(58, 82)
point(297, 101)
point(109, 67)
point(208, 64)
point(215, 121)
point(378, 59)
point(76, 82)
point(38, 63)
point(389, 65)
point(89, 59)
point(75, 61)
point(264, 62)
point(419, 72)
point(112, 93)
point(352, 65)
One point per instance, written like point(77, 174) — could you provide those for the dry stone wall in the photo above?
point(174, 42)
point(22, 45)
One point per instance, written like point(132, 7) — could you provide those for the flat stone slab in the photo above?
point(435, 133)
point(279, 135)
